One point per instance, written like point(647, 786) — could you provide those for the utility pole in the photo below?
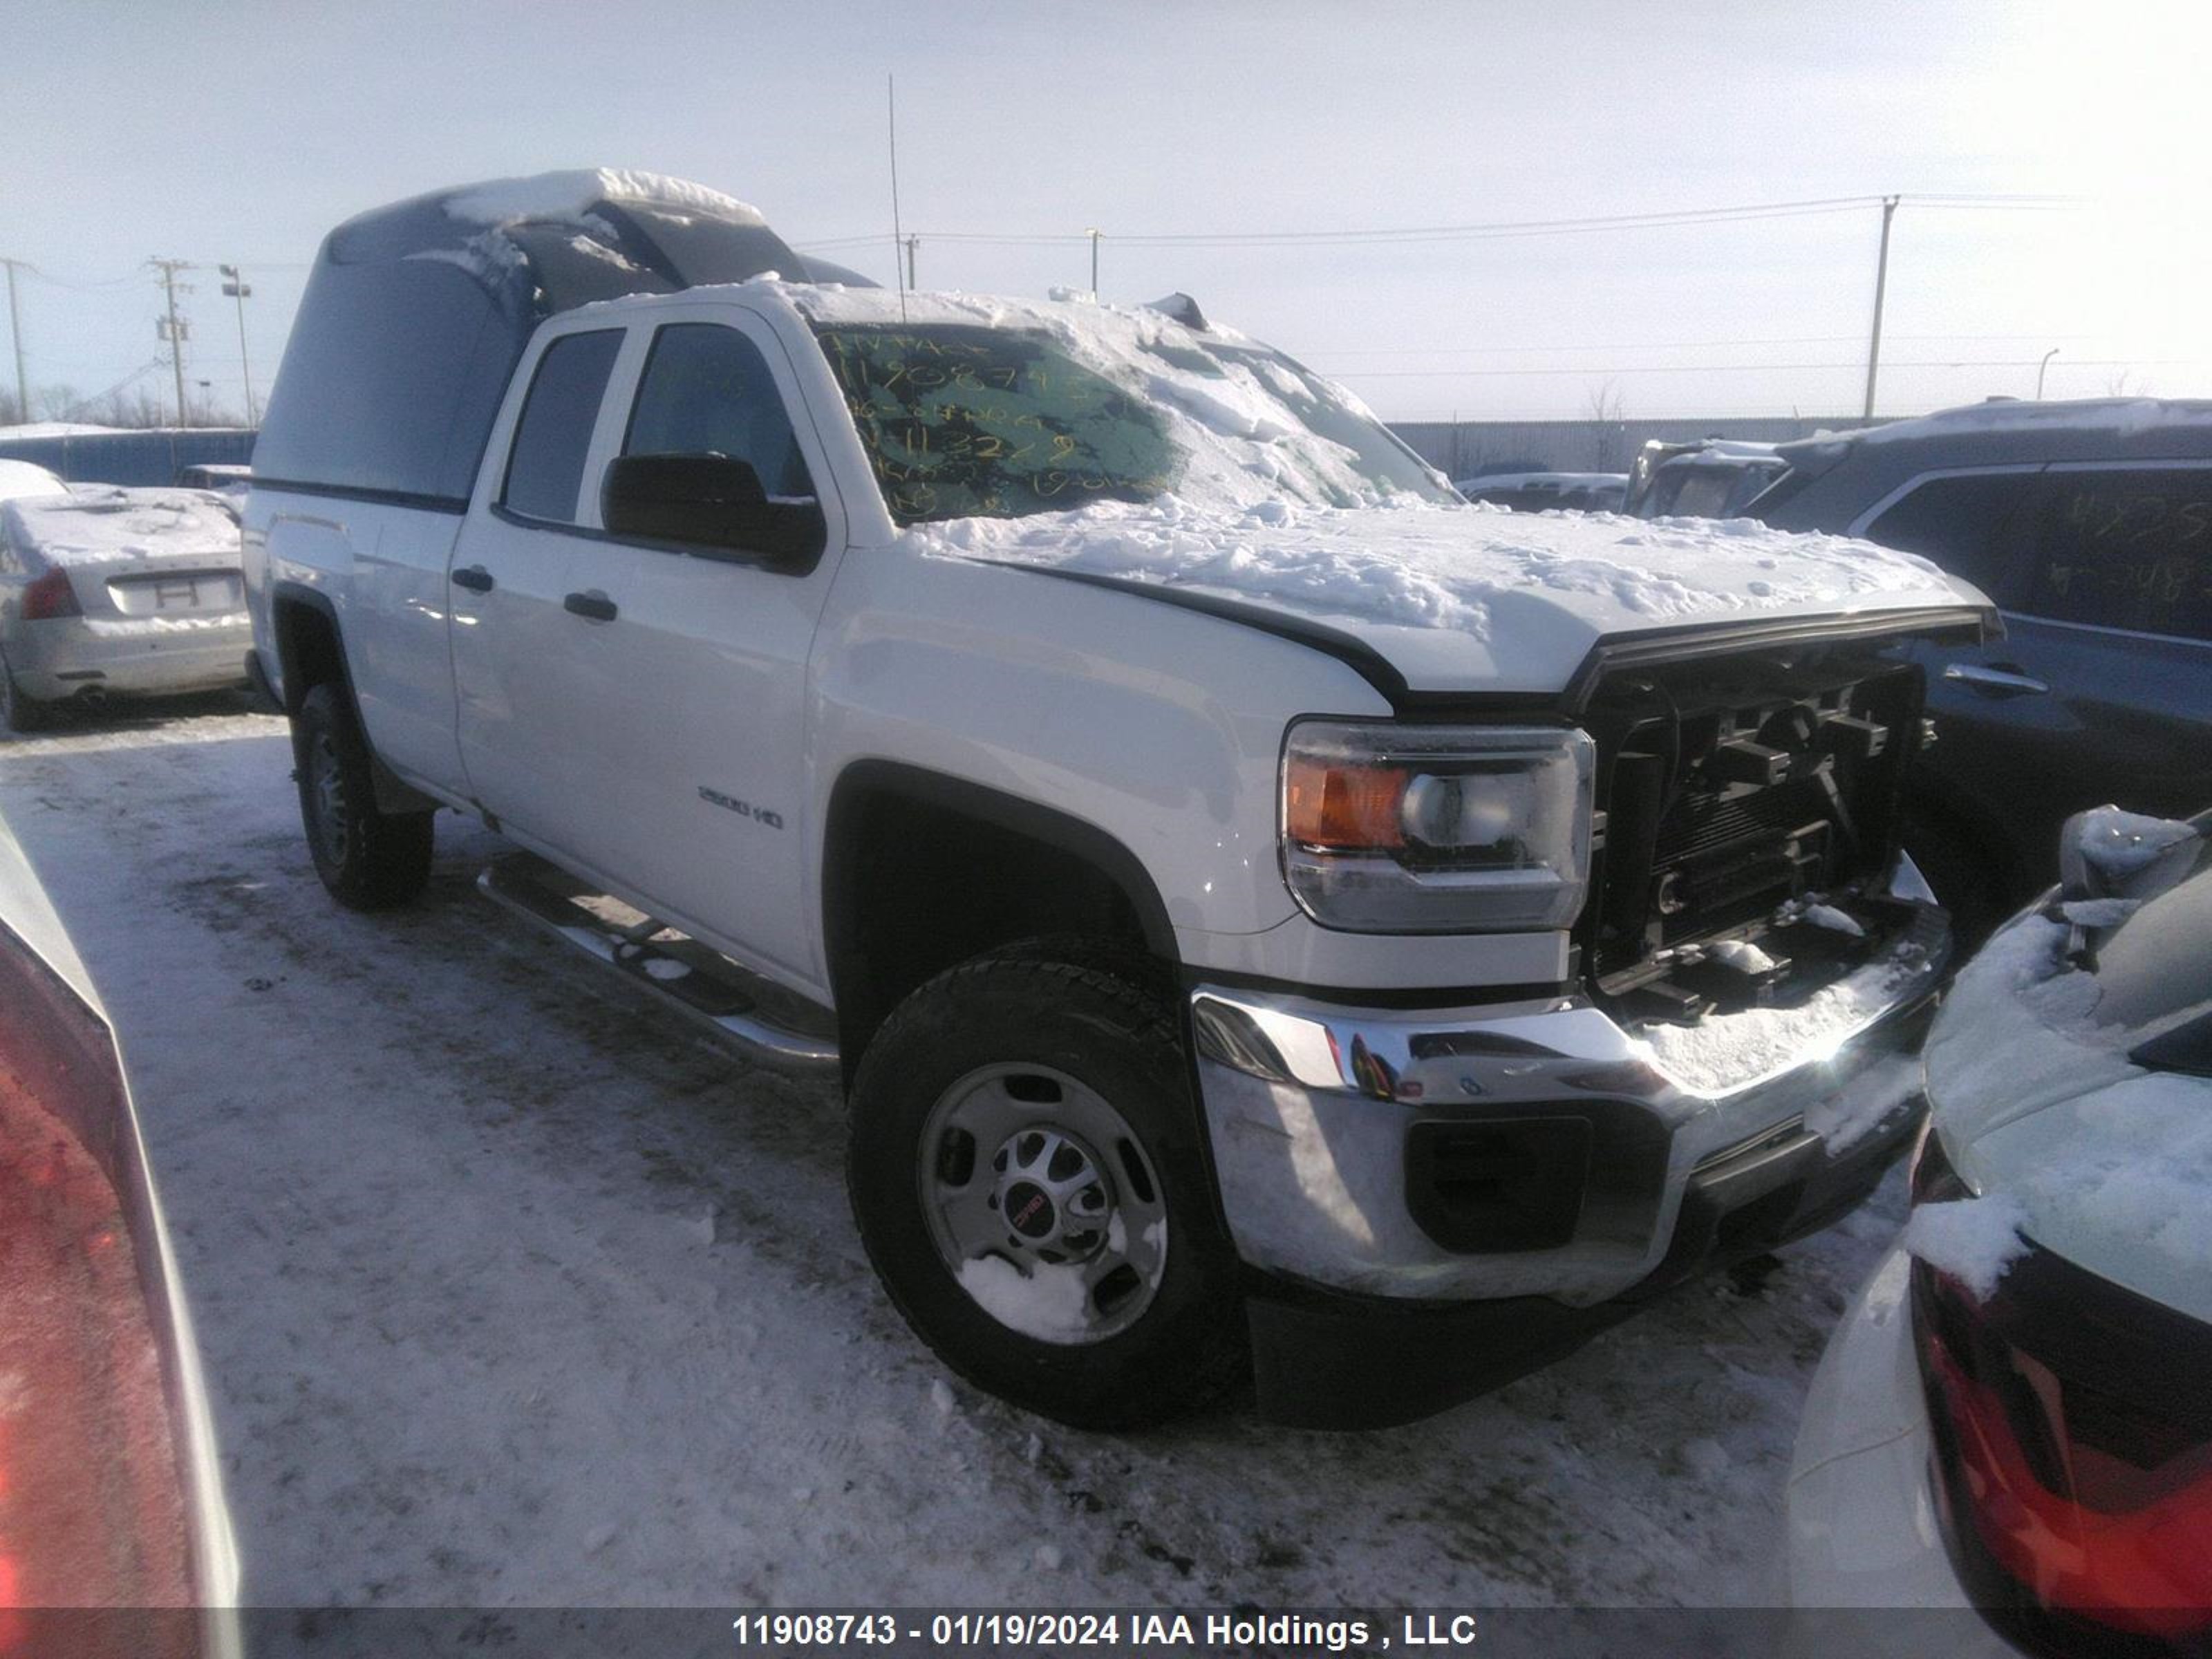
point(173, 329)
point(235, 287)
point(1880, 285)
point(15, 334)
point(912, 243)
point(1094, 235)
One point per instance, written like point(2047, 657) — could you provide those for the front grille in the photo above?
point(1732, 787)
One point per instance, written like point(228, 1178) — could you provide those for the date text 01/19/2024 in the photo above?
point(1169, 1631)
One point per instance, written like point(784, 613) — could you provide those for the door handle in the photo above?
point(474, 577)
point(2004, 682)
point(593, 606)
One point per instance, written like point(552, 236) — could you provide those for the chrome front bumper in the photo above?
point(1314, 1108)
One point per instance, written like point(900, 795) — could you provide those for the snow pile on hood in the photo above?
point(1287, 492)
point(568, 197)
point(1454, 568)
point(98, 524)
point(2036, 1098)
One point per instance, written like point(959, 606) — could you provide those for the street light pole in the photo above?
point(1094, 236)
point(1880, 285)
point(237, 287)
point(2041, 369)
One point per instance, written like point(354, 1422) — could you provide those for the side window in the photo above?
point(546, 472)
point(707, 391)
point(2126, 548)
point(1702, 493)
point(1972, 524)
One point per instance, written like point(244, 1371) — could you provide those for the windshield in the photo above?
point(966, 423)
point(968, 419)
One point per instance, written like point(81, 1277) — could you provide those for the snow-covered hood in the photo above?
point(2039, 1106)
point(1469, 598)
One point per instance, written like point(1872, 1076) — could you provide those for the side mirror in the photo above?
point(707, 500)
point(2105, 852)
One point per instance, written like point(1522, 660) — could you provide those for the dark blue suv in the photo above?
point(2090, 525)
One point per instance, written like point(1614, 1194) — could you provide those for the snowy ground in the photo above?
point(513, 1293)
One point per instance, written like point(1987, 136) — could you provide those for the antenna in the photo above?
point(898, 231)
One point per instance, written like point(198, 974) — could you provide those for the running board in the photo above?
point(749, 1015)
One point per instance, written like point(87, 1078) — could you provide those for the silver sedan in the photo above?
point(107, 592)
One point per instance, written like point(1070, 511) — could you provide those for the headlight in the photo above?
point(1437, 829)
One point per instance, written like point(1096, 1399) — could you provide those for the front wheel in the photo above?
point(1026, 1171)
point(369, 859)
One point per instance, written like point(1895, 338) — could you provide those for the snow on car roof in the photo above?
point(1535, 480)
point(2118, 416)
point(1726, 452)
point(98, 523)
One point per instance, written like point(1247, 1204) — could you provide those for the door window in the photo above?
point(1972, 524)
point(707, 391)
point(2129, 549)
point(545, 472)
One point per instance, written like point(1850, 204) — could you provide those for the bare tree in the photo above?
point(2123, 385)
point(1609, 433)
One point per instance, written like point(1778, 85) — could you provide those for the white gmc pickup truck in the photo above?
point(1269, 915)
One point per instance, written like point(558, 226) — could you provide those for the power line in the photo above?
point(1584, 224)
point(1660, 346)
point(1754, 369)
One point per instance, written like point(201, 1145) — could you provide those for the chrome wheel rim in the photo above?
point(1042, 1203)
point(327, 789)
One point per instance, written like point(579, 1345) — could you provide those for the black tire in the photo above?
point(369, 860)
point(23, 714)
point(1101, 1024)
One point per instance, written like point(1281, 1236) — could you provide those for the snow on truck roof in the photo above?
point(575, 195)
point(99, 523)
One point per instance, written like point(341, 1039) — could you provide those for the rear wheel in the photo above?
point(21, 713)
point(369, 859)
point(1026, 1171)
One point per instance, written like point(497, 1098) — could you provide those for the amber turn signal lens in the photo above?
point(1346, 807)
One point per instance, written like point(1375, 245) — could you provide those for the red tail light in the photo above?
point(50, 595)
point(2073, 1430)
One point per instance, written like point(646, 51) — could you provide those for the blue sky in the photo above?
point(240, 132)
